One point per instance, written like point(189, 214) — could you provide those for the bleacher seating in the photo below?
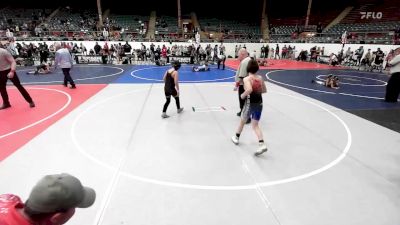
point(231, 29)
point(82, 24)
point(130, 23)
point(167, 25)
point(72, 20)
point(23, 18)
point(364, 27)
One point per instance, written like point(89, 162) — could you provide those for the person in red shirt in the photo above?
point(51, 202)
point(164, 54)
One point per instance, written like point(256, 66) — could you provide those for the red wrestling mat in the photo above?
point(285, 64)
point(19, 124)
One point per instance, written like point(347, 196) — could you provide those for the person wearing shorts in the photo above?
point(171, 88)
point(254, 87)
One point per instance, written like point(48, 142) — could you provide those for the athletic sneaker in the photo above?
point(261, 149)
point(180, 110)
point(235, 140)
point(164, 115)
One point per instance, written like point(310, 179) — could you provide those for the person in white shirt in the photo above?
point(254, 55)
point(9, 34)
point(393, 86)
point(63, 59)
point(105, 34)
point(197, 38)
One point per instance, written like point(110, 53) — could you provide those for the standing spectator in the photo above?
point(106, 51)
point(216, 52)
point(271, 53)
point(262, 52)
point(64, 59)
point(7, 71)
point(12, 49)
point(277, 52)
point(152, 51)
point(344, 39)
point(368, 57)
point(97, 48)
point(359, 54)
point(284, 52)
point(127, 48)
point(52, 201)
point(44, 54)
point(221, 59)
point(9, 34)
point(83, 49)
point(197, 38)
point(164, 54)
point(208, 52)
point(319, 29)
point(236, 51)
point(254, 55)
point(393, 86)
point(158, 50)
point(222, 49)
point(105, 34)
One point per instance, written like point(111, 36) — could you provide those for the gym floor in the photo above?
point(333, 154)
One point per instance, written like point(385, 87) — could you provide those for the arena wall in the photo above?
point(230, 47)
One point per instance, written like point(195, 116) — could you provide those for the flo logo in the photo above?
point(371, 15)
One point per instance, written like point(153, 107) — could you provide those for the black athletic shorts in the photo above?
point(169, 93)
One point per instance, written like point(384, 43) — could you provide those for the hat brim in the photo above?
point(88, 198)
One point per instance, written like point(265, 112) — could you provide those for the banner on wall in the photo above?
point(181, 59)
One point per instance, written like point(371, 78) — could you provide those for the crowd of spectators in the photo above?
point(68, 24)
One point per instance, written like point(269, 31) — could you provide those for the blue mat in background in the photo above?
point(154, 74)
point(82, 74)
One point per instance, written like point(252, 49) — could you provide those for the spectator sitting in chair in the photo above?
point(333, 61)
